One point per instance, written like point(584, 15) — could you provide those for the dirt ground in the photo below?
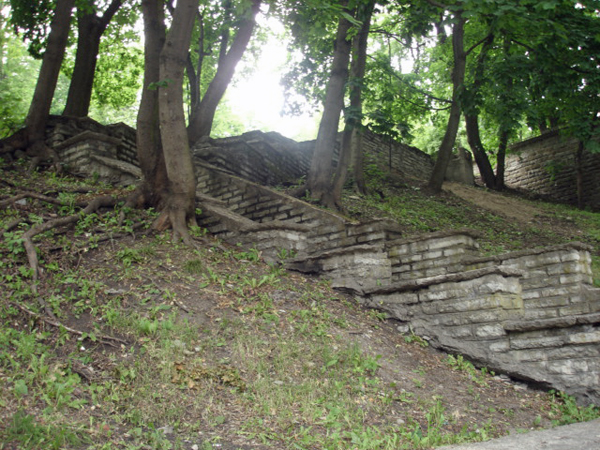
point(513, 208)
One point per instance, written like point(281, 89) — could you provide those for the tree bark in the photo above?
point(203, 114)
point(90, 29)
point(319, 181)
point(351, 154)
point(472, 119)
point(483, 162)
point(501, 159)
point(180, 206)
point(39, 109)
point(458, 77)
point(579, 161)
point(155, 184)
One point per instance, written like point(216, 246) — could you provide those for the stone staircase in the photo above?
point(532, 314)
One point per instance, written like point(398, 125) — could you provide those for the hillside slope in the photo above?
point(130, 341)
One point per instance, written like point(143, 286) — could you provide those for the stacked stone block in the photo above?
point(547, 165)
point(533, 314)
point(431, 254)
point(554, 279)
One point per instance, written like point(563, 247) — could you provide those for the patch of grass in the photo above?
point(30, 433)
point(459, 363)
point(566, 410)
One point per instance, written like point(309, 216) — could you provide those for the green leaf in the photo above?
point(20, 388)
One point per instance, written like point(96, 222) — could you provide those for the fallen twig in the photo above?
point(42, 197)
point(55, 323)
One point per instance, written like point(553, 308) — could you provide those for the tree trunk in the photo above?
point(351, 149)
point(319, 181)
point(458, 77)
point(501, 159)
point(39, 109)
point(579, 161)
point(90, 29)
point(155, 184)
point(203, 115)
point(483, 162)
point(180, 206)
point(472, 118)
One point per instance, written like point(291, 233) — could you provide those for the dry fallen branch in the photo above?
point(42, 197)
point(108, 340)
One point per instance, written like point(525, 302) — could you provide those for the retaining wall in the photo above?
point(532, 314)
point(547, 165)
point(270, 159)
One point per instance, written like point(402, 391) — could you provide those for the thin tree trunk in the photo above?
point(483, 162)
point(319, 181)
point(90, 30)
point(180, 208)
point(203, 115)
point(48, 77)
point(154, 188)
point(472, 119)
point(458, 76)
point(579, 161)
point(194, 74)
point(501, 160)
point(351, 148)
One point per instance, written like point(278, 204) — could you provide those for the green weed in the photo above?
point(566, 410)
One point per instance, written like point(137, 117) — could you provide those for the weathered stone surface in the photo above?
point(547, 165)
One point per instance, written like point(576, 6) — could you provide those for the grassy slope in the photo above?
point(220, 350)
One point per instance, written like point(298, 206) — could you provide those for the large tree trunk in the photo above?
point(39, 109)
point(458, 77)
point(90, 29)
point(319, 181)
point(351, 149)
point(155, 184)
point(180, 206)
point(203, 114)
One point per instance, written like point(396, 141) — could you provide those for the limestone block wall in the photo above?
point(430, 254)
point(270, 159)
point(78, 139)
point(264, 158)
point(470, 306)
point(533, 314)
point(554, 279)
point(547, 165)
point(410, 162)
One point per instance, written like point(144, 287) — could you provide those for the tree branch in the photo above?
point(437, 4)
point(477, 44)
point(55, 323)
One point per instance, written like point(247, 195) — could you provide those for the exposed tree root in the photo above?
point(12, 224)
point(108, 340)
point(28, 236)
